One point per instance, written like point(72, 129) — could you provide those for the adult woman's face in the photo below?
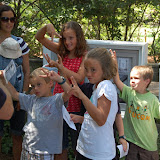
point(7, 22)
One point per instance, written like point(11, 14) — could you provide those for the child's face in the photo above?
point(70, 39)
point(7, 26)
point(93, 71)
point(137, 82)
point(40, 88)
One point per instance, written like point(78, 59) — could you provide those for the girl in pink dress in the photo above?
point(71, 50)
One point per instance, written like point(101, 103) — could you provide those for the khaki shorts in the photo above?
point(138, 153)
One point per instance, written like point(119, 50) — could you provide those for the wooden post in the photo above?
point(145, 35)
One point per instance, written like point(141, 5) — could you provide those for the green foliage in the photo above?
point(6, 139)
point(100, 19)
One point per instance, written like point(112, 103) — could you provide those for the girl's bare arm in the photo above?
point(99, 113)
point(116, 79)
point(50, 44)
point(11, 89)
point(7, 109)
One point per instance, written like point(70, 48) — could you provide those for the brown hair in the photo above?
point(81, 46)
point(106, 61)
point(4, 8)
point(145, 71)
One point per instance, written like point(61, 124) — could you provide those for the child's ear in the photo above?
point(51, 83)
point(147, 81)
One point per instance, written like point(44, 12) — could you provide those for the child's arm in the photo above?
point(79, 76)
point(99, 113)
point(26, 71)
point(116, 79)
point(61, 80)
point(77, 118)
point(11, 89)
point(40, 36)
point(120, 128)
point(7, 109)
point(65, 87)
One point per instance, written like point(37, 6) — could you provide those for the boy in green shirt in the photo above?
point(142, 107)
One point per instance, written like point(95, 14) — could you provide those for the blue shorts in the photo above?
point(70, 135)
point(17, 122)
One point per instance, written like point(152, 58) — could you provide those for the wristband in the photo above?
point(123, 137)
point(63, 81)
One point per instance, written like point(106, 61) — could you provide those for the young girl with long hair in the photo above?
point(96, 139)
point(71, 49)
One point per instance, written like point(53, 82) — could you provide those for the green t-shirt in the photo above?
point(139, 123)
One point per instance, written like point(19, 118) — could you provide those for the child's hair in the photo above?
point(106, 61)
point(37, 72)
point(4, 8)
point(145, 71)
point(81, 46)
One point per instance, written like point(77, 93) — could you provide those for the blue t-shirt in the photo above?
point(44, 127)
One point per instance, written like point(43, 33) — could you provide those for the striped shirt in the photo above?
point(23, 45)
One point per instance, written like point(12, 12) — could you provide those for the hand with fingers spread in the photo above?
point(51, 31)
point(113, 53)
point(52, 75)
point(75, 90)
point(51, 63)
point(59, 64)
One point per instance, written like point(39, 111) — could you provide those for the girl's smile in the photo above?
point(70, 39)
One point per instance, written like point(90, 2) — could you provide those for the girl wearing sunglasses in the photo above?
point(7, 23)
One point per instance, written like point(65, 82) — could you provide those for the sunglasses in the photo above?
point(6, 19)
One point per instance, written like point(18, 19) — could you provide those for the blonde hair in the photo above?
point(145, 71)
point(37, 72)
point(106, 61)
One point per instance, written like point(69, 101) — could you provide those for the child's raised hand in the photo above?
point(52, 75)
point(51, 63)
point(51, 31)
point(75, 90)
point(113, 53)
point(1, 75)
point(59, 63)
